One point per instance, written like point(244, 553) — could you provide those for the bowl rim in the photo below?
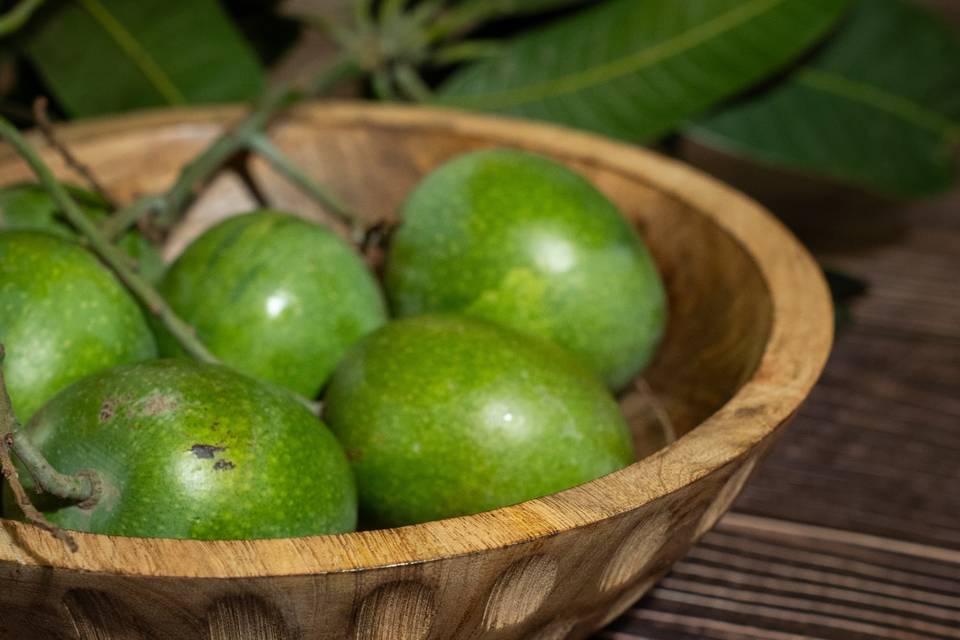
point(794, 355)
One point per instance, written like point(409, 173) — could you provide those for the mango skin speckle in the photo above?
point(449, 415)
point(191, 450)
point(275, 296)
point(525, 242)
point(63, 316)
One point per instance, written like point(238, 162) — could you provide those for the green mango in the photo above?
point(525, 242)
point(63, 316)
point(443, 416)
point(28, 206)
point(192, 450)
point(275, 296)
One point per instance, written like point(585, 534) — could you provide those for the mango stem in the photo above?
point(83, 487)
point(168, 206)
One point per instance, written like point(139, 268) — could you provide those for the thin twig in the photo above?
point(197, 173)
point(9, 426)
point(81, 487)
point(261, 145)
point(129, 216)
point(42, 119)
point(111, 255)
point(29, 511)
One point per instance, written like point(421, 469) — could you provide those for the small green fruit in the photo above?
point(63, 316)
point(27, 206)
point(525, 242)
point(191, 450)
point(275, 296)
point(447, 415)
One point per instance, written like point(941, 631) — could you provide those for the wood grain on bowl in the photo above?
point(749, 332)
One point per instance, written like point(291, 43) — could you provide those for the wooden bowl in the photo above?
point(749, 332)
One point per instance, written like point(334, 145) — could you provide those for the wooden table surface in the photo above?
point(851, 527)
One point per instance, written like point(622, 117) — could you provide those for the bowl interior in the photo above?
point(720, 307)
point(749, 332)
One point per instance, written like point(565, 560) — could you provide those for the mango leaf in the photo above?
point(878, 106)
point(635, 70)
point(99, 56)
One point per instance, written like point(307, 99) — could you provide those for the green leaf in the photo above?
point(100, 56)
point(878, 106)
point(635, 69)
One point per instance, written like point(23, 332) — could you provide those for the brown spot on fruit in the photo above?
point(223, 465)
point(157, 404)
point(108, 409)
point(205, 451)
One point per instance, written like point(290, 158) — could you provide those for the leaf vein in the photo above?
point(878, 98)
point(626, 65)
point(140, 57)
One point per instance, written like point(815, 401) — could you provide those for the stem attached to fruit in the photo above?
point(198, 172)
point(111, 255)
point(82, 487)
point(124, 218)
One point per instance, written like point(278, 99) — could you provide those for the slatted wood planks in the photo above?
point(761, 578)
